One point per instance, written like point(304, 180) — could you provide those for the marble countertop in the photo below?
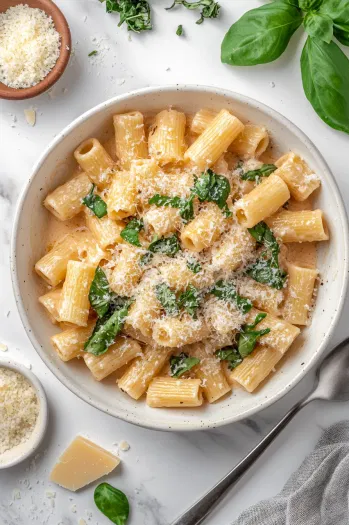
point(162, 473)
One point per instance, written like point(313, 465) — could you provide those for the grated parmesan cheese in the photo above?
point(29, 46)
point(19, 409)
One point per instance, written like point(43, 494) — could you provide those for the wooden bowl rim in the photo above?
point(62, 27)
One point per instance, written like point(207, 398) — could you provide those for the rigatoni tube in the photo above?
point(75, 305)
point(95, 161)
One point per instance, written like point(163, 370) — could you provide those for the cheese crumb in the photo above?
point(124, 446)
point(30, 116)
point(29, 46)
point(3, 347)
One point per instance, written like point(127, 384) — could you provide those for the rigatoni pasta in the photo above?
point(191, 268)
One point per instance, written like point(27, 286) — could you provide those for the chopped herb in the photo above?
point(131, 232)
point(106, 330)
point(213, 188)
point(167, 298)
point(185, 206)
point(266, 269)
point(210, 8)
point(248, 337)
point(166, 245)
point(226, 291)
point(231, 355)
point(194, 266)
point(190, 300)
point(93, 53)
point(136, 13)
point(100, 295)
point(95, 203)
point(179, 364)
point(112, 503)
point(179, 31)
point(256, 175)
point(145, 259)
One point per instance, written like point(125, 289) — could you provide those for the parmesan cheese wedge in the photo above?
point(82, 463)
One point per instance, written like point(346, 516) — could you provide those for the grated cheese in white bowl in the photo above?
point(29, 46)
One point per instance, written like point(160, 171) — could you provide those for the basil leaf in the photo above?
point(190, 300)
point(325, 75)
point(95, 203)
point(310, 5)
point(131, 231)
point(338, 10)
point(210, 8)
point(231, 355)
point(179, 31)
point(112, 503)
point(260, 35)
point(213, 188)
point(319, 26)
point(106, 330)
point(226, 291)
point(166, 245)
point(186, 207)
point(145, 259)
point(255, 175)
point(93, 53)
point(248, 337)
point(167, 298)
point(100, 294)
point(266, 271)
point(263, 235)
point(136, 13)
point(179, 364)
point(194, 266)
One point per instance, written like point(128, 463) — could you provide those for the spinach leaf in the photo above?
point(248, 337)
point(112, 503)
point(213, 188)
point(166, 245)
point(100, 295)
point(106, 330)
point(167, 298)
point(136, 13)
point(226, 291)
point(190, 300)
point(310, 5)
point(231, 355)
point(95, 203)
point(194, 266)
point(131, 231)
point(186, 207)
point(179, 31)
point(260, 35)
point(145, 259)
point(266, 269)
point(338, 11)
point(255, 175)
point(179, 364)
point(325, 75)
point(210, 8)
point(318, 25)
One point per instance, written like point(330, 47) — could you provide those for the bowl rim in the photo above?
point(198, 424)
point(43, 410)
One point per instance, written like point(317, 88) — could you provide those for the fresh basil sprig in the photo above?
point(226, 291)
point(210, 8)
point(165, 245)
point(213, 188)
point(231, 355)
point(167, 298)
point(248, 336)
point(95, 203)
point(136, 13)
point(179, 364)
point(255, 175)
point(266, 269)
point(131, 231)
point(112, 503)
point(262, 35)
point(185, 206)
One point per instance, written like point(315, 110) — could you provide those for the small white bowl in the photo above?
point(30, 235)
point(24, 450)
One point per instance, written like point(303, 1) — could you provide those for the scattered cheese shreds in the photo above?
point(30, 116)
point(29, 46)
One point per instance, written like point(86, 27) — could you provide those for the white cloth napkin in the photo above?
point(317, 493)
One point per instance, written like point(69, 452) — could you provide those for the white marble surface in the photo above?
point(162, 473)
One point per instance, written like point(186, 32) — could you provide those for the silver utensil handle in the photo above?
point(199, 511)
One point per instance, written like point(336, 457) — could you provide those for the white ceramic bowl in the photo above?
point(24, 450)
point(28, 243)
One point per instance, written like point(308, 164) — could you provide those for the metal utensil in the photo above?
point(332, 384)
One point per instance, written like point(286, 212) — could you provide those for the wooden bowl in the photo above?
point(62, 27)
